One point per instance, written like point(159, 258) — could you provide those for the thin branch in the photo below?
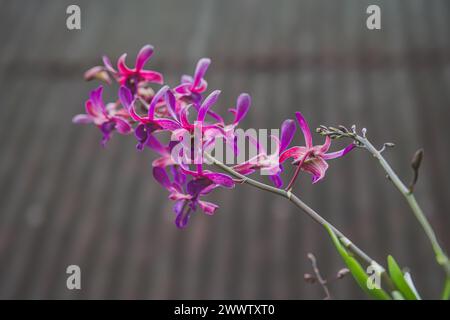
point(319, 278)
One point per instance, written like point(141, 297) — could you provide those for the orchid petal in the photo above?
point(156, 98)
point(305, 129)
point(294, 152)
point(82, 119)
point(155, 145)
point(144, 54)
point(208, 207)
point(108, 64)
point(340, 153)
point(288, 129)
point(121, 65)
point(200, 71)
point(242, 106)
point(171, 103)
point(125, 97)
point(207, 103)
point(152, 76)
point(167, 124)
point(161, 176)
point(317, 167)
point(182, 218)
point(183, 89)
point(326, 146)
point(187, 79)
point(178, 175)
point(122, 125)
point(276, 179)
point(221, 179)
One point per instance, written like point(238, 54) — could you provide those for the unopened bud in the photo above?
point(417, 159)
point(97, 72)
point(309, 278)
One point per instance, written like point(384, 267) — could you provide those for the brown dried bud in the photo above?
point(417, 159)
point(342, 273)
point(309, 278)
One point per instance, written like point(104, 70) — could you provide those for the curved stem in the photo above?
point(441, 257)
point(361, 255)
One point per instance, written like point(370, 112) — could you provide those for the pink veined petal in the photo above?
point(188, 171)
point(340, 153)
point(294, 152)
point(152, 76)
point(245, 168)
point(163, 161)
point(242, 106)
point(135, 116)
point(156, 98)
point(108, 64)
point(305, 129)
point(184, 114)
point(176, 195)
point(161, 176)
point(207, 103)
point(326, 146)
point(121, 65)
point(288, 129)
point(91, 110)
point(202, 87)
point(168, 124)
point(276, 179)
point(144, 54)
point(82, 119)
point(171, 103)
point(220, 178)
point(208, 207)
point(122, 126)
point(155, 145)
point(96, 99)
point(187, 79)
point(317, 167)
point(125, 97)
point(200, 71)
point(183, 89)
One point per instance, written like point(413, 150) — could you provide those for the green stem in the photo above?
point(441, 257)
point(446, 291)
point(361, 255)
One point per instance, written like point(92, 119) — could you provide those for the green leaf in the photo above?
point(356, 269)
point(397, 295)
point(398, 278)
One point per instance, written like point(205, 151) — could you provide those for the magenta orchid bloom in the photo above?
point(269, 163)
point(105, 117)
point(186, 199)
point(150, 123)
point(131, 78)
point(312, 159)
point(193, 86)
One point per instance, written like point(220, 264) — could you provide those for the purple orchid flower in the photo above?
point(310, 158)
point(107, 118)
point(269, 163)
point(193, 86)
point(131, 78)
point(148, 124)
point(187, 199)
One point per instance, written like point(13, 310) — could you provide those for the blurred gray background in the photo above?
point(65, 200)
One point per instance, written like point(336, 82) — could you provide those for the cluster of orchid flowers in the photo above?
point(141, 110)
